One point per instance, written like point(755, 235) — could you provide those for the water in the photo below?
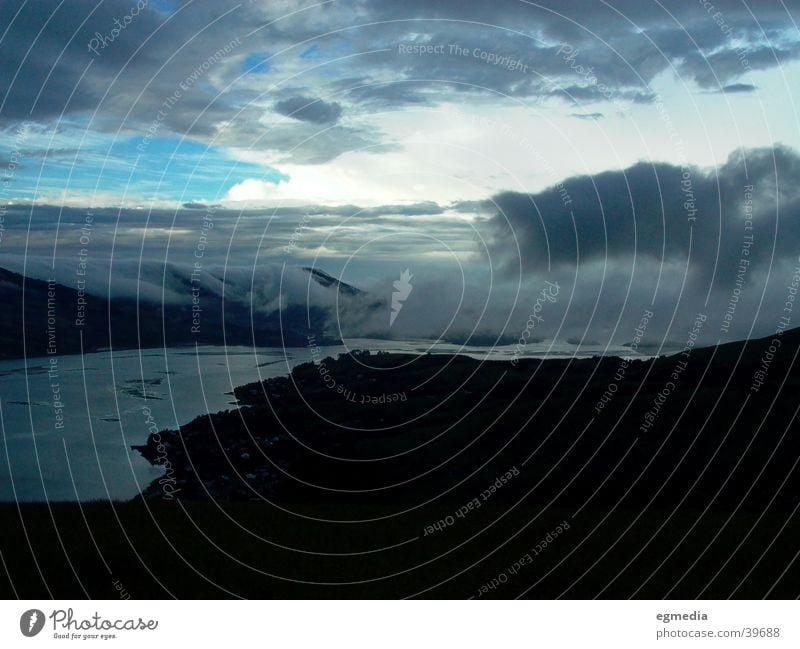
point(67, 426)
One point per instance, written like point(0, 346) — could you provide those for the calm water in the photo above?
point(67, 428)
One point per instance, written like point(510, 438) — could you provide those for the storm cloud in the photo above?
point(307, 109)
point(675, 240)
point(62, 62)
point(657, 211)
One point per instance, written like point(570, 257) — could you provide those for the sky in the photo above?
point(490, 147)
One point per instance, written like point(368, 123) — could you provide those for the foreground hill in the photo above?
point(711, 426)
point(440, 476)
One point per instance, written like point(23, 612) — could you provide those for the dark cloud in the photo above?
point(194, 205)
point(738, 87)
point(575, 95)
point(624, 43)
point(612, 49)
point(394, 94)
point(715, 69)
point(587, 116)
point(624, 241)
point(172, 234)
point(306, 143)
point(61, 59)
point(308, 109)
point(652, 211)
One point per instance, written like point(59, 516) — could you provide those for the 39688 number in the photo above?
point(762, 632)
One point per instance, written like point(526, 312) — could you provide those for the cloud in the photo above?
point(655, 210)
point(307, 109)
point(734, 88)
point(292, 233)
point(335, 93)
point(587, 116)
point(617, 243)
point(677, 240)
point(512, 49)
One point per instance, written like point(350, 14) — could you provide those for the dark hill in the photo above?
point(709, 428)
point(38, 315)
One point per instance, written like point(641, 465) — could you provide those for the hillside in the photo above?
point(38, 316)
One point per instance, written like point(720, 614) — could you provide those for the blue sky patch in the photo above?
point(166, 169)
point(256, 63)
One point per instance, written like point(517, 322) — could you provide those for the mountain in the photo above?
point(40, 317)
point(328, 281)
